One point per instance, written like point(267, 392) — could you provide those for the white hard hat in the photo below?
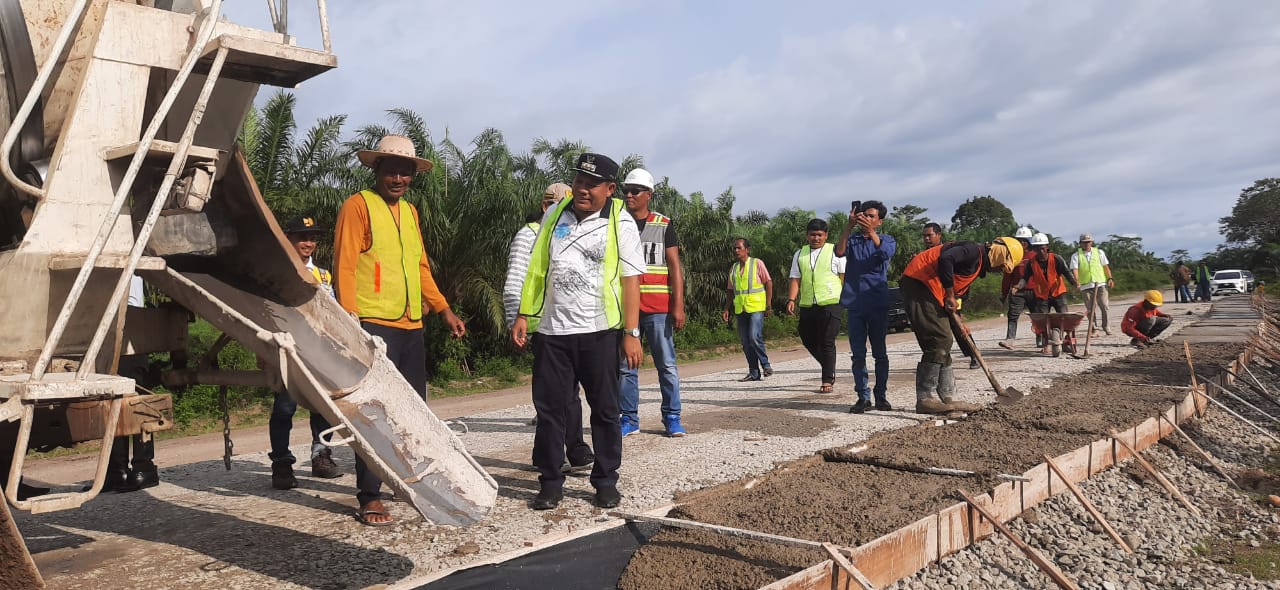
point(1023, 233)
point(639, 177)
point(1040, 239)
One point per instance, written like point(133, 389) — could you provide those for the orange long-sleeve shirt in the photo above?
point(353, 235)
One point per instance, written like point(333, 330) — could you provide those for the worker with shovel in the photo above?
point(930, 285)
point(1144, 320)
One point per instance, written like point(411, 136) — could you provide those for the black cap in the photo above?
point(303, 225)
point(597, 165)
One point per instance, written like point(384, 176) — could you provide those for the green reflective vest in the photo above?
point(1090, 269)
point(748, 293)
point(533, 294)
point(818, 285)
point(388, 282)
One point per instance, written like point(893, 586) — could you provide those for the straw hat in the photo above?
point(395, 146)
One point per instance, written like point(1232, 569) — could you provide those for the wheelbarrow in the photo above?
point(1059, 330)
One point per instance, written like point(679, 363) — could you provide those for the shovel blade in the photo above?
point(1009, 395)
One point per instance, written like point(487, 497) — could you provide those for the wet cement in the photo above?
point(850, 504)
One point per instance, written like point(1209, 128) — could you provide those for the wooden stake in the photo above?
point(1237, 416)
point(1186, 437)
point(838, 557)
point(1045, 565)
point(1155, 473)
point(1187, 348)
point(1088, 506)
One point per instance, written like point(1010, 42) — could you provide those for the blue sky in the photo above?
point(1136, 117)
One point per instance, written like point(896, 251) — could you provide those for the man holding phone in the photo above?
point(865, 297)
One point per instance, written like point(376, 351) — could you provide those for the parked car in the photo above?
point(1248, 277)
point(1230, 281)
point(897, 311)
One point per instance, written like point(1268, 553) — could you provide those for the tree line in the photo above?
point(479, 193)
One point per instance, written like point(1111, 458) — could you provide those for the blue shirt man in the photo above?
point(865, 298)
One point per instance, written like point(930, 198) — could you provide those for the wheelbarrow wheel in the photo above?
point(1055, 342)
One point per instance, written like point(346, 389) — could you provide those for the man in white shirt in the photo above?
point(582, 290)
point(817, 277)
point(1092, 272)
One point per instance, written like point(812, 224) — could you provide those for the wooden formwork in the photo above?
point(904, 552)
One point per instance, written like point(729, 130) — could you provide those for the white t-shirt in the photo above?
point(837, 262)
point(1088, 256)
point(574, 301)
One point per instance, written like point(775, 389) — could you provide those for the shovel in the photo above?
point(1088, 334)
point(1004, 395)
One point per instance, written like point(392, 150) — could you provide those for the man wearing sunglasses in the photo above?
point(661, 305)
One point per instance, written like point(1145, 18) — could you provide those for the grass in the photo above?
point(1238, 557)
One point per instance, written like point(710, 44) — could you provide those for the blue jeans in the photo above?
point(751, 334)
point(281, 424)
point(873, 325)
point(656, 329)
point(1184, 294)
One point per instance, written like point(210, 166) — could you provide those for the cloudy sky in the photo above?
point(1135, 117)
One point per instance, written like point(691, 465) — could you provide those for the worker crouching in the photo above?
point(1144, 321)
point(930, 285)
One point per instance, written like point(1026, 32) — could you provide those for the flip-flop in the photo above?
point(826, 388)
point(363, 516)
point(1004, 345)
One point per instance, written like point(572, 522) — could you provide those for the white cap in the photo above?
point(1023, 233)
point(1040, 240)
point(639, 177)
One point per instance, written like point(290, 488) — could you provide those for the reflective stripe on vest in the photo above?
point(748, 293)
point(1090, 269)
point(1046, 287)
point(533, 296)
point(655, 287)
point(924, 268)
point(825, 290)
point(387, 277)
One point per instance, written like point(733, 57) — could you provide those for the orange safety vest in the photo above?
point(924, 268)
point(1046, 287)
point(655, 283)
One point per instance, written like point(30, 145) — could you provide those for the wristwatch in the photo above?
point(633, 332)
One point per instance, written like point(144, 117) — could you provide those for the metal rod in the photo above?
point(1233, 396)
point(1045, 565)
point(1186, 437)
point(33, 96)
point(176, 164)
point(1255, 379)
point(1262, 392)
point(1088, 506)
point(122, 193)
point(720, 530)
point(1238, 416)
point(1155, 473)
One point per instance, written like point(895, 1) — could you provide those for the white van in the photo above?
point(1230, 281)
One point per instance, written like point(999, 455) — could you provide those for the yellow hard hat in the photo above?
point(1015, 253)
point(1153, 297)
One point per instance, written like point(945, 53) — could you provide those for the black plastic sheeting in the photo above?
point(593, 562)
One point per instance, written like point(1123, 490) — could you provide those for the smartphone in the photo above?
point(853, 206)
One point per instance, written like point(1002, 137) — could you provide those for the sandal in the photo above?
point(374, 508)
point(826, 388)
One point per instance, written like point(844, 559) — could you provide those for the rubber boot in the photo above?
point(926, 385)
point(947, 391)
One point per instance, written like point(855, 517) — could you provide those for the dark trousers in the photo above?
point(560, 363)
point(958, 333)
point(1153, 326)
point(281, 425)
point(408, 353)
point(819, 325)
point(1183, 293)
point(1018, 301)
point(869, 324)
point(929, 322)
point(144, 454)
point(1057, 304)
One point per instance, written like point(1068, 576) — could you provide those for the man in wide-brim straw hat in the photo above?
point(377, 246)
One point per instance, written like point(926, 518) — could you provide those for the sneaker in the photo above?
point(1006, 344)
point(749, 378)
point(768, 371)
point(973, 363)
point(672, 423)
point(862, 406)
point(142, 479)
point(578, 465)
point(884, 406)
point(322, 465)
point(282, 477)
point(608, 497)
point(547, 498)
point(630, 425)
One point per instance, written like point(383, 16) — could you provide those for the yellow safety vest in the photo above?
point(1090, 270)
point(534, 293)
point(748, 294)
point(387, 276)
point(818, 285)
